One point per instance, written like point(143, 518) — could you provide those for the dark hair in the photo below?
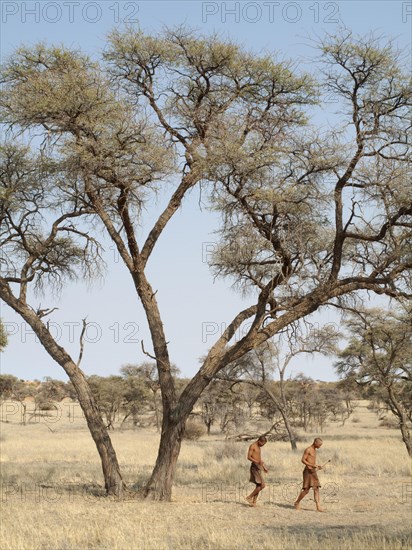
point(263, 439)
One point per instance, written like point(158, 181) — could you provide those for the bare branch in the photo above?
point(82, 342)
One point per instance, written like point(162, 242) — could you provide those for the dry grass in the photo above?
point(51, 492)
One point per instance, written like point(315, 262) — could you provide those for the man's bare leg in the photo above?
point(317, 499)
point(303, 493)
point(252, 498)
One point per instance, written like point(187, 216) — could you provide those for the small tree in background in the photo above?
point(259, 366)
point(17, 390)
point(108, 392)
point(146, 373)
point(380, 352)
point(136, 399)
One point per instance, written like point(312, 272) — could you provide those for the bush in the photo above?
point(194, 430)
point(389, 422)
point(46, 405)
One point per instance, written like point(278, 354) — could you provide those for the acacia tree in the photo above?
point(148, 374)
point(136, 395)
point(16, 390)
point(380, 352)
point(307, 218)
point(108, 392)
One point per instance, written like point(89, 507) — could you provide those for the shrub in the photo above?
point(46, 406)
point(193, 430)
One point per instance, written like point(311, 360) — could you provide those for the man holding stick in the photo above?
point(256, 469)
point(310, 476)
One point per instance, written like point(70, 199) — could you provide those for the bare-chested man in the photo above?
point(256, 469)
point(310, 477)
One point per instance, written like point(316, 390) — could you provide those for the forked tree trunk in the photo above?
point(160, 484)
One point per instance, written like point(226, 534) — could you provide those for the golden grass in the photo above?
point(52, 492)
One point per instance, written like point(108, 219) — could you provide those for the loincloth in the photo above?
point(256, 474)
point(310, 479)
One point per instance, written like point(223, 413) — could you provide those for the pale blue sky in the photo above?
point(194, 307)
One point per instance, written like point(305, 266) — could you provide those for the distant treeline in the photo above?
point(133, 400)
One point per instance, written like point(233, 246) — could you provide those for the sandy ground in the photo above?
point(51, 493)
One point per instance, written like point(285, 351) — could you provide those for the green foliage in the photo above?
point(50, 391)
point(7, 383)
point(39, 251)
point(3, 336)
point(379, 348)
point(108, 393)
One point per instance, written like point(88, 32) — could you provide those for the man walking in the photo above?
point(310, 476)
point(257, 468)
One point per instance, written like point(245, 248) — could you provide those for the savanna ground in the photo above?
point(52, 497)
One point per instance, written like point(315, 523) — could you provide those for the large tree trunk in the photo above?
point(111, 471)
point(156, 409)
point(113, 481)
point(406, 437)
point(160, 484)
